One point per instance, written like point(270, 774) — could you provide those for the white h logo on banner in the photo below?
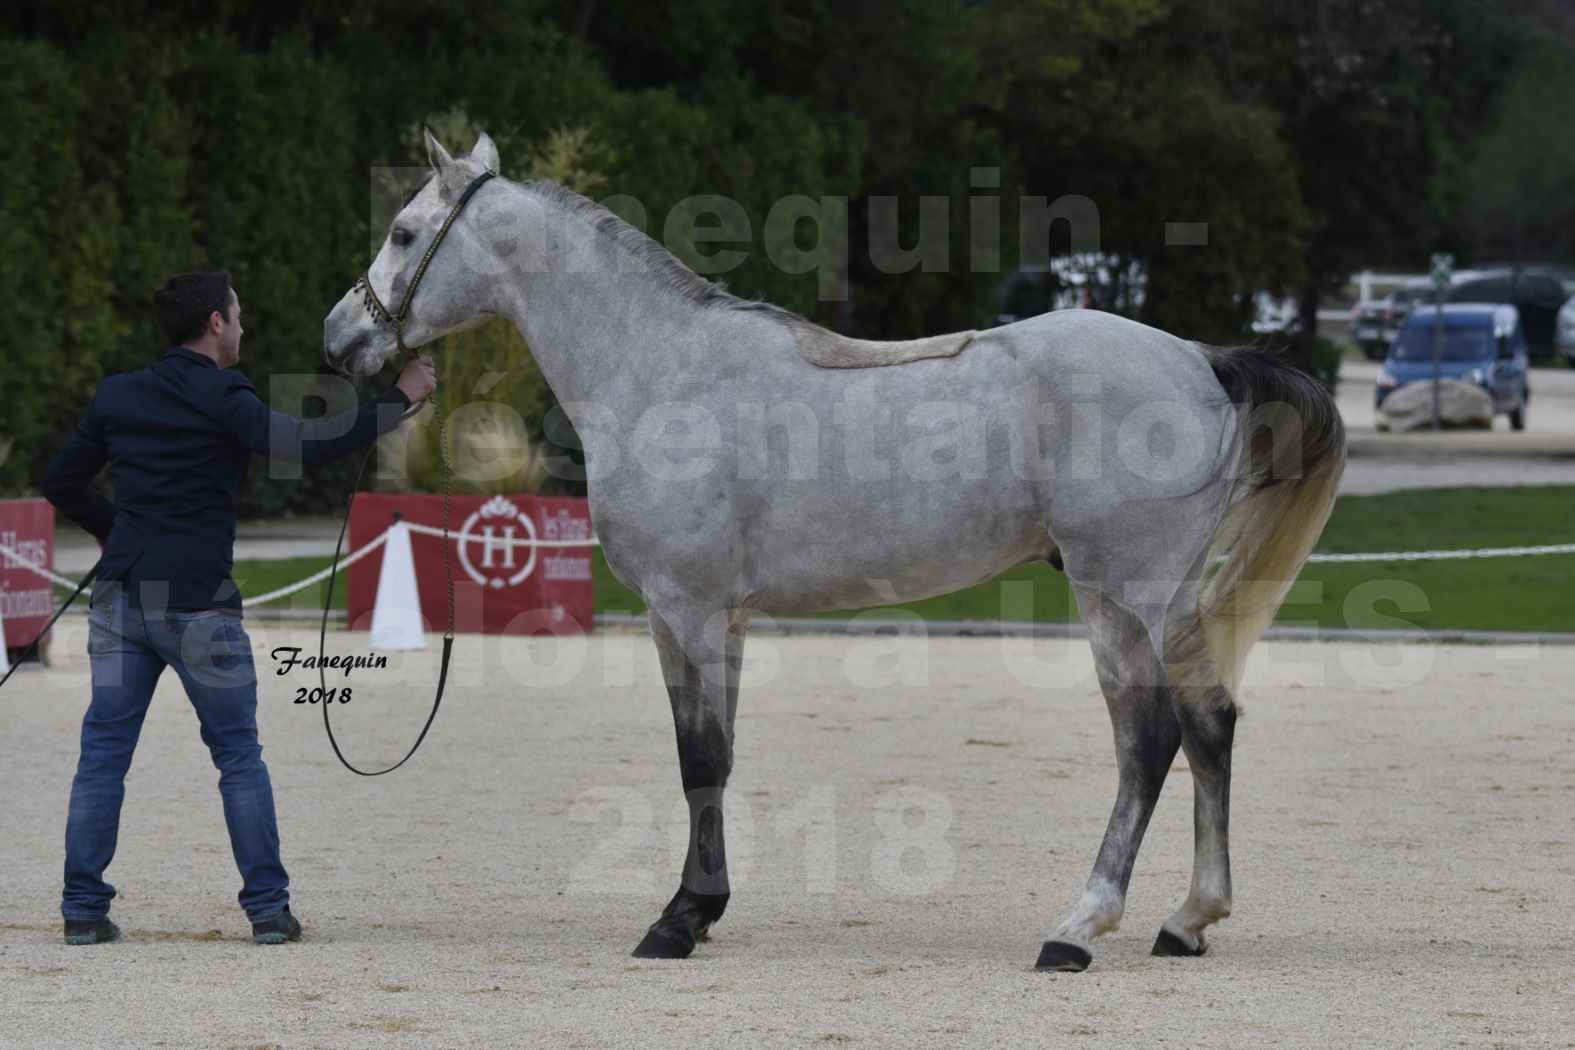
point(491, 543)
point(493, 528)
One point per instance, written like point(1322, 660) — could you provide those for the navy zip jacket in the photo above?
point(179, 436)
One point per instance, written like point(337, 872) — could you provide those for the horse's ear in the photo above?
point(437, 156)
point(485, 153)
point(452, 176)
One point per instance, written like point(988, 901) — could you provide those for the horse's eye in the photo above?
point(401, 237)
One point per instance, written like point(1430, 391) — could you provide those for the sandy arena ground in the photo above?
point(907, 820)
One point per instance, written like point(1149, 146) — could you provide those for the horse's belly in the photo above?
point(860, 548)
point(828, 589)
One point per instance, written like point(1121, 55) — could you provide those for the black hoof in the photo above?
point(1168, 943)
point(686, 919)
point(664, 941)
point(1067, 958)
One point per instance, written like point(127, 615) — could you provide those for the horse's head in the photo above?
point(362, 331)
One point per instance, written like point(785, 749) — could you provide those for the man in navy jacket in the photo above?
point(178, 437)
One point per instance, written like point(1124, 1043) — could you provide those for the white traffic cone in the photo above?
point(396, 615)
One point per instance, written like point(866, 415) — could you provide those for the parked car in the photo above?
point(1484, 344)
point(1537, 292)
point(1565, 337)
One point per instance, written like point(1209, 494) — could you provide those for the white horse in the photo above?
point(1179, 487)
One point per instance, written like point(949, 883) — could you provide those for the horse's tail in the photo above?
point(1290, 455)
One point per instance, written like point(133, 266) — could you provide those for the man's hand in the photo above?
point(418, 379)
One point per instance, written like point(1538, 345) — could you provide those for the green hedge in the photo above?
point(59, 241)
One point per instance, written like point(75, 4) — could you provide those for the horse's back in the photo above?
point(1135, 362)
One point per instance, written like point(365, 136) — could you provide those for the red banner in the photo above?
point(27, 526)
point(501, 586)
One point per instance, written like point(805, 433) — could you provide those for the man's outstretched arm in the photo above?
point(270, 433)
point(308, 441)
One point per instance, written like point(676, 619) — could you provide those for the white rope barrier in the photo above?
point(502, 541)
point(299, 585)
point(1478, 552)
point(344, 563)
point(13, 559)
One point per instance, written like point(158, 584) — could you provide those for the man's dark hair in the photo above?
point(187, 300)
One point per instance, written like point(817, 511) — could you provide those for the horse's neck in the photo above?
point(600, 333)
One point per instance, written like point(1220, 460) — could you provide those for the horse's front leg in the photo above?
point(701, 651)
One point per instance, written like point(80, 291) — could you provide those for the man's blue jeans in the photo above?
point(211, 652)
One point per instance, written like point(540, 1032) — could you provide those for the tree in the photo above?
point(1376, 101)
point(1520, 189)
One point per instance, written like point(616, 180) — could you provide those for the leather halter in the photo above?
point(396, 319)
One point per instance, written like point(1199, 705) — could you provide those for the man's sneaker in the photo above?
point(276, 929)
point(91, 931)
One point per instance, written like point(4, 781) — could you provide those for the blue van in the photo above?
point(1484, 344)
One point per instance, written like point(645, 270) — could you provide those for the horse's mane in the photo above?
point(820, 346)
point(655, 258)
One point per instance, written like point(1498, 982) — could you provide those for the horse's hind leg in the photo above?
point(1207, 715)
point(701, 652)
point(1147, 736)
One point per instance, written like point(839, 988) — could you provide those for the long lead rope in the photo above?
point(448, 635)
point(396, 319)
